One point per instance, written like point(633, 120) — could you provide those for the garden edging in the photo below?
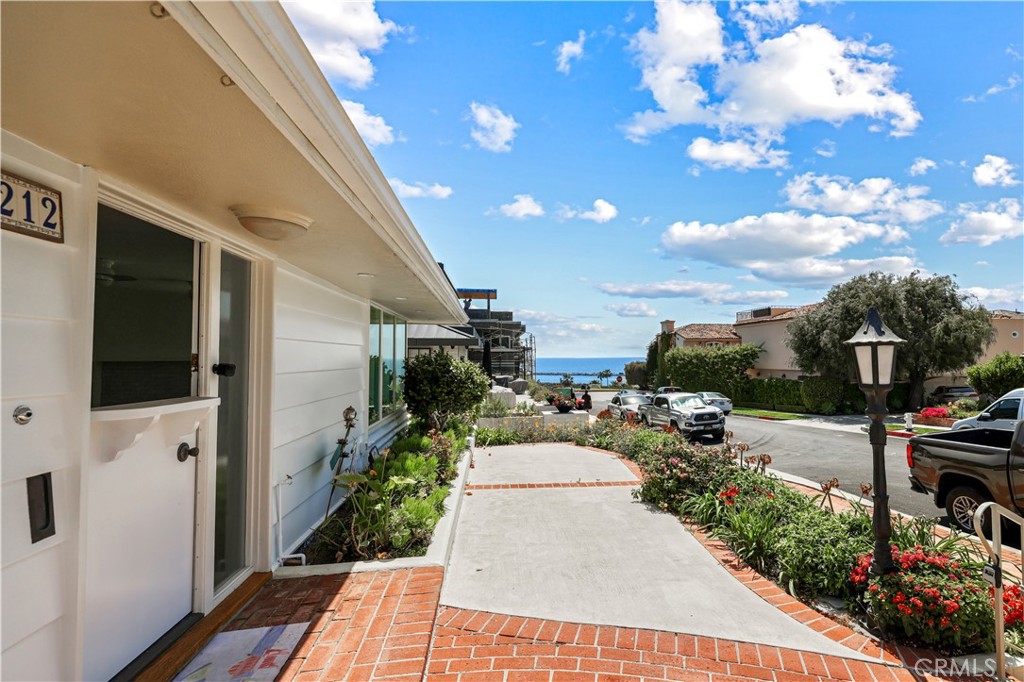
point(437, 552)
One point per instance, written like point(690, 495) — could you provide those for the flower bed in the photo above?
point(806, 546)
point(394, 504)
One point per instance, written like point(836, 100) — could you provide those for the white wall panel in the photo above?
point(43, 272)
point(42, 444)
point(291, 355)
point(301, 388)
point(40, 577)
point(310, 326)
point(295, 422)
point(319, 370)
point(33, 657)
point(37, 357)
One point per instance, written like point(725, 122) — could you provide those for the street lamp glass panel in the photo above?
point(863, 353)
point(886, 364)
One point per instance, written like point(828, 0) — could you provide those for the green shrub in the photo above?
point(487, 437)
point(710, 368)
point(439, 388)
point(853, 399)
point(1000, 375)
point(494, 407)
point(819, 393)
point(751, 535)
point(410, 444)
point(817, 551)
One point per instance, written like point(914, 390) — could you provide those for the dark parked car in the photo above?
point(950, 394)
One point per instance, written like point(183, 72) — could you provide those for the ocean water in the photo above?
point(582, 369)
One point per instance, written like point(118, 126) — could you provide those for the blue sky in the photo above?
point(606, 166)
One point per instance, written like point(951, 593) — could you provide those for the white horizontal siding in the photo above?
point(33, 658)
point(320, 356)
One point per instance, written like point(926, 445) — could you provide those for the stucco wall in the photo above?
point(776, 360)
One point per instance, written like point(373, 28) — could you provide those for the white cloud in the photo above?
point(686, 35)
point(570, 50)
point(827, 148)
point(372, 128)
point(873, 198)
point(806, 74)
point(558, 326)
point(738, 154)
point(524, 206)
point(1009, 297)
point(986, 226)
point(601, 213)
point(420, 190)
point(982, 263)
point(994, 170)
point(338, 33)
point(711, 293)
point(787, 247)
point(921, 166)
point(631, 309)
point(757, 18)
point(1012, 82)
point(493, 129)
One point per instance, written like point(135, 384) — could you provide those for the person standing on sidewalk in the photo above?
point(587, 401)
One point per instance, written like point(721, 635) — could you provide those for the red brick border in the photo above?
point(473, 646)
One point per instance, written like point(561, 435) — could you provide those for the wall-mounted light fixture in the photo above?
point(271, 223)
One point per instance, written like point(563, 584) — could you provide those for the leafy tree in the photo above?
point(711, 368)
point(1000, 375)
point(438, 387)
point(567, 380)
point(604, 375)
point(943, 331)
point(636, 373)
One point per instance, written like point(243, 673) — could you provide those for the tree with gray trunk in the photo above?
point(944, 330)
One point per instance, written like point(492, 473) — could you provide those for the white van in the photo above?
point(1002, 414)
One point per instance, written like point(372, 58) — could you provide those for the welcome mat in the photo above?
point(242, 655)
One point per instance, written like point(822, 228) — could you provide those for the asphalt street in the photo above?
point(820, 454)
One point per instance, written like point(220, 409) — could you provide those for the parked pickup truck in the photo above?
point(964, 468)
point(687, 412)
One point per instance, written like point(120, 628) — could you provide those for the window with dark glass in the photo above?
point(144, 316)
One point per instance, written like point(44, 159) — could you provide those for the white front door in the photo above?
point(141, 496)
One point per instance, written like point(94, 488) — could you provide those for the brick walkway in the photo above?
point(387, 625)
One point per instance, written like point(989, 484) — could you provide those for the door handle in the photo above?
point(184, 452)
point(224, 369)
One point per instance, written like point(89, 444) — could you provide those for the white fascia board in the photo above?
point(260, 50)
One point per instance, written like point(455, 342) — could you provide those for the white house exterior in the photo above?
point(144, 125)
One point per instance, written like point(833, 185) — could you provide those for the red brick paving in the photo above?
point(475, 645)
point(363, 626)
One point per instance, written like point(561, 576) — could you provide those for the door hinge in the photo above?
point(194, 362)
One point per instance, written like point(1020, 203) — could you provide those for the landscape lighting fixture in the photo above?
point(271, 223)
point(874, 348)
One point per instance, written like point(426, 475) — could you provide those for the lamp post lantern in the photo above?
point(874, 348)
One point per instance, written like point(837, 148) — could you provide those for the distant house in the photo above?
point(768, 328)
point(700, 334)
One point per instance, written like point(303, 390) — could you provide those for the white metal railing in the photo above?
point(994, 575)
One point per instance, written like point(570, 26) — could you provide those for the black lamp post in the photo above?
point(874, 347)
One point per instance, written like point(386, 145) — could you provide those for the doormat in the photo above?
point(242, 655)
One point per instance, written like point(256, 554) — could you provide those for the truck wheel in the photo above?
point(719, 433)
point(961, 503)
point(643, 420)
